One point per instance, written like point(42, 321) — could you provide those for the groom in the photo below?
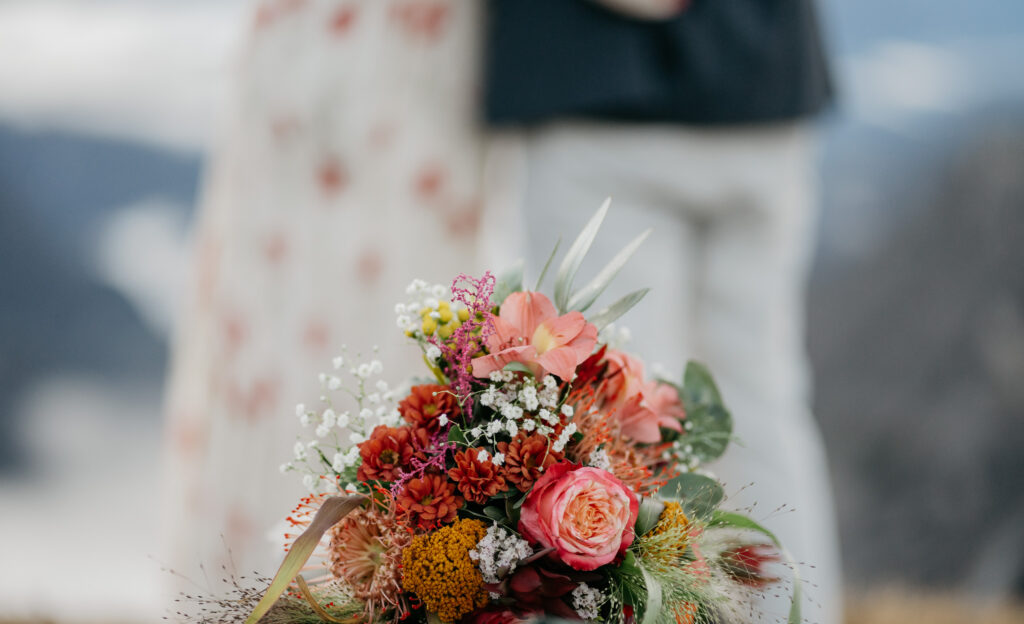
point(697, 117)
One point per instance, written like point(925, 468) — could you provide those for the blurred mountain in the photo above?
point(56, 313)
point(918, 349)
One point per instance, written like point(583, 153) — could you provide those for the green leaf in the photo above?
point(795, 616)
point(331, 511)
point(698, 495)
point(733, 520)
point(518, 367)
point(699, 387)
point(495, 514)
point(510, 281)
point(547, 265)
point(710, 433)
point(574, 257)
point(655, 598)
point(612, 313)
point(650, 511)
point(710, 422)
point(585, 297)
point(457, 435)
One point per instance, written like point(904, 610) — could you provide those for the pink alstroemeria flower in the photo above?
point(643, 406)
point(529, 330)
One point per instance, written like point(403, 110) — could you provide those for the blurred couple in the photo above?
point(374, 141)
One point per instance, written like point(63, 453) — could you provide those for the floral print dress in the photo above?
point(350, 164)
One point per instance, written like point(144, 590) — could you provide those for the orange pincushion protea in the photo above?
point(639, 467)
point(477, 480)
point(526, 458)
point(426, 403)
point(430, 500)
point(385, 454)
point(365, 551)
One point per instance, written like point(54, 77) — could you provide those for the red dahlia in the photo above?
point(477, 480)
point(430, 500)
point(385, 453)
point(526, 457)
point(426, 403)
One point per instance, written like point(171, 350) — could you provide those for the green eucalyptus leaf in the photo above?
point(710, 432)
point(510, 281)
point(574, 257)
point(585, 297)
point(612, 313)
point(650, 511)
point(698, 495)
point(699, 387)
point(547, 265)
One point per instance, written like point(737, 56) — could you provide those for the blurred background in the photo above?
point(916, 303)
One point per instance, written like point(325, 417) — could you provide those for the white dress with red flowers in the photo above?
point(350, 165)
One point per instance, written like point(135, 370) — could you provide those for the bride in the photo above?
point(350, 164)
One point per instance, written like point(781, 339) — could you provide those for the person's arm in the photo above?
point(647, 9)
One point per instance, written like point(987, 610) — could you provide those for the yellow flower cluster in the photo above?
point(668, 540)
point(437, 568)
point(442, 320)
point(671, 518)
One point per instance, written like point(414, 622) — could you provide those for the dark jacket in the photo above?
point(720, 62)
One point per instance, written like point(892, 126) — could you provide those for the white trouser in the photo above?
point(733, 217)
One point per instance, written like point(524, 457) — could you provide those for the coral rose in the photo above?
point(585, 514)
point(528, 330)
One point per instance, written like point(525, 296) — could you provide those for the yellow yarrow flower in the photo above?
point(666, 543)
point(437, 568)
point(671, 518)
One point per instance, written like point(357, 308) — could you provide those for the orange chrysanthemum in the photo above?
point(426, 403)
point(388, 450)
point(477, 480)
point(526, 458)
point(430, 500)
point(365, 551)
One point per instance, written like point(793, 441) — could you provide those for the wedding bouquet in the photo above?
point(538, 473)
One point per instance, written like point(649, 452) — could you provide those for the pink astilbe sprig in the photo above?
point(458, 351)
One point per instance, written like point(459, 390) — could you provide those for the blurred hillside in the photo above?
point(919, 357)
